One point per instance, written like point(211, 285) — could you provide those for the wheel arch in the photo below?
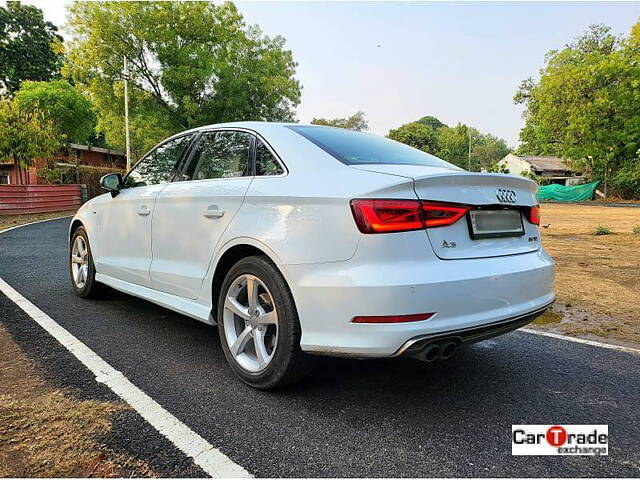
point(239, 249)
point(75, 224)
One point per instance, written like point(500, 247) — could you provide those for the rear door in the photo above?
point(191, 215)
point(124, 221)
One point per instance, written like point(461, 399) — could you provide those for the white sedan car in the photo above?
point(301, 239)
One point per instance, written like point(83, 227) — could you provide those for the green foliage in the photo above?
point(190, 64)
point(602, 230)
point(356, 122)
point(626, 181)
point(418, 135)
point(497, 167)
point(25, 135)
point(636, 229)
point(63, 174)
point(585, 106)
point(532, 176)
point(452, 143)
point(62, 104)
point(432, 122)
point(30, 48)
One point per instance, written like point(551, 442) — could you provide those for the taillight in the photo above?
point(442, 214)
point(534, 214)
point(386, 216)
point(417, 317)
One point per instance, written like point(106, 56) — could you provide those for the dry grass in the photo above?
point(46, 432)
point(598, 276)
point(8, 221)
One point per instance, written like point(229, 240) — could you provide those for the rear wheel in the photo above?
point(81, 266)
point(258, 325)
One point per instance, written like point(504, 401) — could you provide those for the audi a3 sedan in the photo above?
point(301, 240)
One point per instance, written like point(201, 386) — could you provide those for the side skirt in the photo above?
point(172, 302)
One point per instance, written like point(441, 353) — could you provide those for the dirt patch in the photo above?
point(8, 221)
point(598, 276)
point(46, 432)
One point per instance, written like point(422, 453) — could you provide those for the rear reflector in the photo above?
point(393, 318)
point(535, 214)
point(386, 216)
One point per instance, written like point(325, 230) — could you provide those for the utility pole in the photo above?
point(469, 135)
point(126, 112)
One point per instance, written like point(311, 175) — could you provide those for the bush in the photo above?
point(636, 229)
point(626, 182)
point(63, 174)
point(602, 230)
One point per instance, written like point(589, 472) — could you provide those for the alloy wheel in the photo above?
point(80, 262)
point(250, 323)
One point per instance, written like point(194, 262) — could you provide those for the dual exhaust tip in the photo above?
point(442, 350)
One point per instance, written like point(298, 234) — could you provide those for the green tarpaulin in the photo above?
point(562, 193)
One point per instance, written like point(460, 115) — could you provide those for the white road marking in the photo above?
point(205, 455)
point(593, 343)
point(33, 223)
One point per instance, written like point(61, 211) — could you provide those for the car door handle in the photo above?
point(212, 211)
point(144, 211)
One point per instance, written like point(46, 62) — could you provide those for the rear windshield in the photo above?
point(357, 148)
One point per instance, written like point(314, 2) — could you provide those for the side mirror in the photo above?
point(112, 183)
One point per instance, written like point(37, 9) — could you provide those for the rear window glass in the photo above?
point(356, 148)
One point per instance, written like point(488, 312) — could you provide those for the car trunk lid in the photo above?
point(485, 231)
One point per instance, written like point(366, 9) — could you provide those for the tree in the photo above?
point(432, 122)
point(486, 151)
point(584, 107)
point(62, 104)
point(356, 122)
point(25, 135)
point(417, 135)
point(30, 48)
point(452, 143)
point(190, 64)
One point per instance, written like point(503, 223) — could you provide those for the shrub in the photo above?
point(626, 182)
point(636, 229)
point(66, 174)
point(602, 230)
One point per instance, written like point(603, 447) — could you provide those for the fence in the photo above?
point(26, 199)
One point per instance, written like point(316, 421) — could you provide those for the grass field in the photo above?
point(598, 276)
point(48, 432)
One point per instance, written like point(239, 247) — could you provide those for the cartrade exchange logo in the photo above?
point(559, 439)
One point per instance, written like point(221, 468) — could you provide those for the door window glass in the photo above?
point(222, 155)
point(266, 164)
point(159, 165)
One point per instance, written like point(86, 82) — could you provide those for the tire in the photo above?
point(85, 286)
point(281, 362)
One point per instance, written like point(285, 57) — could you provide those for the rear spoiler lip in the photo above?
point(515, 181)
point(511, 180)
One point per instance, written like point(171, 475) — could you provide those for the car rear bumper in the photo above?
point(462, 294)
point(414, 346)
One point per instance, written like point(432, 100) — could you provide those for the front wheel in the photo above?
point(258, 325)
point(81, 266)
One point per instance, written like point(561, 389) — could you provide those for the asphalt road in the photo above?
point(389, 418)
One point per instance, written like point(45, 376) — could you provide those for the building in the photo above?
point(552, 169)
point(12, 174)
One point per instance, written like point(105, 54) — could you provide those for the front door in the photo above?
point(191, 216)
point(125, 221)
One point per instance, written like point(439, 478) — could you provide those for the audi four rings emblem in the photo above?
point(505, 195)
